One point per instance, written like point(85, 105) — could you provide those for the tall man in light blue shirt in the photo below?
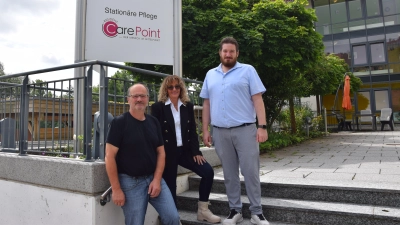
point(232, 95)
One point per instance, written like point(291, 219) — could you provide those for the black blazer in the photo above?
point(190, 142)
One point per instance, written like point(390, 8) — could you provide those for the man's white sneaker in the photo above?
point(233, 218)
point(259, 219)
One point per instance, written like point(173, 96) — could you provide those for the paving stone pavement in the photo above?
point(369, 159)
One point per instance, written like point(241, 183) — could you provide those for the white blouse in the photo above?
point(177, 120)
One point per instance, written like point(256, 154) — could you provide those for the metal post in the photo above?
point(79, 72)
point(326, 123)
point(103, 112)
point(177, 66)
point(23, 118)
point(87, 137)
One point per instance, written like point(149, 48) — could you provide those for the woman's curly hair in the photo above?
point(163, 93)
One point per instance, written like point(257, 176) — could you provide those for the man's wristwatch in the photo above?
point(262, 126)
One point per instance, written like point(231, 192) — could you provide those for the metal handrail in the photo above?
point(86, 80)
point(105, 197)
point(91, 63)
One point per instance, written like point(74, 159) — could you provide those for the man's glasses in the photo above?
point(177, 87)
point(137, 96)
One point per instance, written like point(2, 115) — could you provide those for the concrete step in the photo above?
point(190, 218)
point(315, 192)
point(300, 211)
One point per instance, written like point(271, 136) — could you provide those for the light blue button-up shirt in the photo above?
point(230, 94)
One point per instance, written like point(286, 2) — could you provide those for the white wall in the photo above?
point(33, 204)
point(311, 101)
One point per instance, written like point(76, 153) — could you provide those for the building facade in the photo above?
point(366, 34)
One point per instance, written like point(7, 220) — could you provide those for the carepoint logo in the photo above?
point(110, 27)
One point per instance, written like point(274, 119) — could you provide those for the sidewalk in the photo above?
point(344, 159)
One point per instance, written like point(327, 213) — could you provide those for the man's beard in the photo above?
point(229, 64)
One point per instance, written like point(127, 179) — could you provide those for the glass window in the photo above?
point(390, 7)
point(381, 99)
point(328, 47)
point(376, 37)
point(363, 100)
point(379, 69)
point(342, 50)
point(377, 53)
point(357, 25)
point(360, 71)
point(373, 8)
point(339, 28)
point(338, 11)
point(375, 22)
point(358, 40)
point(393, 47)
point(394, 68)
point(359, 55)
point(322, 11)
point(355, 9)
point(324, 30)
point(392, 20)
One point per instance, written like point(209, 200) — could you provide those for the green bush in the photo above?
point(301, 112)
point(277, 140)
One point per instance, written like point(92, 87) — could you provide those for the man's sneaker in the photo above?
point(233, 218)
point(259, 219)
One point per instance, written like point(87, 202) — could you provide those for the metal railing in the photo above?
point(37, 118)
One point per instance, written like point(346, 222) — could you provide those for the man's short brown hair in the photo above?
point(229, 40)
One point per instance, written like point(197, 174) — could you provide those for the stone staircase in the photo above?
point(285, 204)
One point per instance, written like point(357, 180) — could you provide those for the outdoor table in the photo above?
point(356, 115)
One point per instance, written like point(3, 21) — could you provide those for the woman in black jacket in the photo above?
point(176, 116)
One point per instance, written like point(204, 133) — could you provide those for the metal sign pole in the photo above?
point(177, 66)
point(78, 122)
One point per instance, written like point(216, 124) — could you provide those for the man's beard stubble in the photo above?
point(229, 64)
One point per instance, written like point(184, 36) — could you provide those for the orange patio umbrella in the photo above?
point(346, 103)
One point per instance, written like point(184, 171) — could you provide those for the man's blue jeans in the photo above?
point(137, 199)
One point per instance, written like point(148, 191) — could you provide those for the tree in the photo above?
point(327, 74)
point(14, 80)
point(11, 91)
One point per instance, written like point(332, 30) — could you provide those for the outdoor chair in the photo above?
point(365, 119)
point(342, 123)
point(386, 118)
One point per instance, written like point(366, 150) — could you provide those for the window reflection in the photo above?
point(338, 11)
point(322, 12)
point(377, 53)
point(342, 50)
point(359, 55)
point(394, 68)
point(357, 25)
point(392, 20)
point(379, 69)
point(393, 47)
point(328, 47)
point(376, 37)
point(355, 10)
point(358, 39)
point(390, 7)
point(339, 28)
point(373, 8)
point(324, 30)
point(375, 22)
point(381, 99)
point(360, 71)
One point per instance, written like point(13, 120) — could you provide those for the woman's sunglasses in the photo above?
point(177, 87)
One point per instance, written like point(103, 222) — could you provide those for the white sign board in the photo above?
point(138, 31)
